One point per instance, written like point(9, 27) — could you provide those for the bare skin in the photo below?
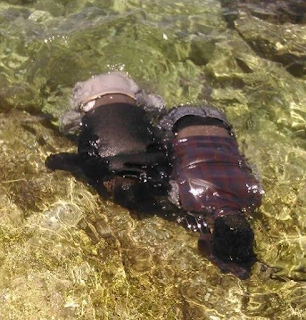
point(113, 98)
point(202, 130)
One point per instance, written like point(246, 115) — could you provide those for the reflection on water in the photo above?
point(66, 253)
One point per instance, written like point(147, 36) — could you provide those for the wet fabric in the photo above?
point(85, 95)
point(117, 139)
point(212, 175)
point(168, 121)
point(119, 153)
point(115, 129)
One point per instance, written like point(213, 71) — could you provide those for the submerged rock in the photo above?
point(273, 11)
point(274, 29)
point(65, 252)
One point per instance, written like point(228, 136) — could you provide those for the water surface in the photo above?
point(65, 253)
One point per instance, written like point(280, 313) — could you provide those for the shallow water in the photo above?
point(65, 253)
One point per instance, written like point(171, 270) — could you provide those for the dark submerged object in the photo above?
point(120, 152)
point(214, 185)
point(117, 148)
point(230, 246)
point(190, 158)
point(233, 239)
point(120, 134)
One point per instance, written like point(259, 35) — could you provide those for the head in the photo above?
point(233, 240)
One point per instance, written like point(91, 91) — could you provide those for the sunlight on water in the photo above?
point(65, 253)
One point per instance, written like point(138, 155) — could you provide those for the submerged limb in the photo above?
point(137, 161)
point(63, 161)
point(132, 194)
point(230, 245)
point(205, 245)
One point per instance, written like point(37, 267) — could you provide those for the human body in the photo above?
point(212, 182)
point(187, 163)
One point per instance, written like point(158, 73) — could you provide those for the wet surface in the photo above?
point(271, 29)
point(67, 253)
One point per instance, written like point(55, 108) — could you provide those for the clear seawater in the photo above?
point(66, 253)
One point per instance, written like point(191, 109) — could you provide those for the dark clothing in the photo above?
point(118, 151)
point(118, 139)
point(110, 130)
point(169, 121)
point(207, 174)
point(122, 153)
point(213, 185)
point(211, 175)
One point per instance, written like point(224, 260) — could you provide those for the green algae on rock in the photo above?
point(65, 252)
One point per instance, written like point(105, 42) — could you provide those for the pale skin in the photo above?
point(113, 98)
point(202, 130)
